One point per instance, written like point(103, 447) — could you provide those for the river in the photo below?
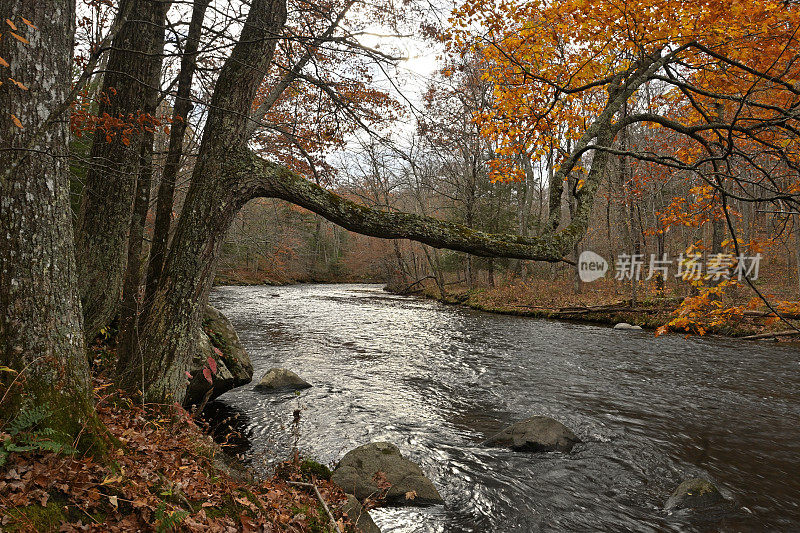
point(436, 380)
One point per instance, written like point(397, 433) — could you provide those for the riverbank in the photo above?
point(163, 473)
point(603, 303)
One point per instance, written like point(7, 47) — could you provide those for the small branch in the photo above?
point(785, 333)
point(321, 500)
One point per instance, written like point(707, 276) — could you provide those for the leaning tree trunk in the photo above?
point(41, 337)
point(105, 213)
point(167, 331)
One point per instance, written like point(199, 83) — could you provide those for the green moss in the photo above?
point(35, 518)
point(309, 468)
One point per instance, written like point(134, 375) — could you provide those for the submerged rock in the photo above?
point(359, 516)
point(535, 434)
point(217, 340)
point(625, 325)
point(281, 379)
point(695, 493)
point(358, 470)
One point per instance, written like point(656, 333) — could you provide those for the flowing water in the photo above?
point(436, 380)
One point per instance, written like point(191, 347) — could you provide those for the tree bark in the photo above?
point(41, 337)
point(105, 214)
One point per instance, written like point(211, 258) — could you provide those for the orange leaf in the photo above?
point(20, 38)
point(29, 23)
point(13, 26)
point(19, 84)
point(17, 122)
point(3, 62)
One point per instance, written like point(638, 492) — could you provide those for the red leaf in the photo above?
point(207, 375)
point(212, 364)
point(188, 374)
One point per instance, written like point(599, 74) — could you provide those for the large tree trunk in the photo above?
point(105, 214)
point(41, 337)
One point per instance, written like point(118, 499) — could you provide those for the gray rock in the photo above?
point(695, 493)
point(356, 474)
point(535, 434)
point(281, 379)
point(359, 516)
point(234, 368)
point(625, 325)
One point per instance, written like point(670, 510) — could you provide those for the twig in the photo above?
point(321, 499)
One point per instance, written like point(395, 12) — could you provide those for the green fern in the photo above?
point(168, 521)
point(27, 419)
point(24, 436)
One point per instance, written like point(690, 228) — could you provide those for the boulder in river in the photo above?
point(359, 516)
point(217, 340)
point(625, 325)
point(697, 493)
point(358, 474)
point(535, 434)
point(281, 379)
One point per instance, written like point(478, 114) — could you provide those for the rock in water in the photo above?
point(281, 379)
point(695, 493)
point(535, 434)
point(218, 340)
point(356, 474)
point(359, 516)
point(625, 325)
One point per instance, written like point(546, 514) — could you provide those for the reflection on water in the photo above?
point(436, 380)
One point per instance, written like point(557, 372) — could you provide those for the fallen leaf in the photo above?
point(29, 23)
point(13, 26)
point(17, 122)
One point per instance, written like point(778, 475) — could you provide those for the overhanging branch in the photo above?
point(265, 179)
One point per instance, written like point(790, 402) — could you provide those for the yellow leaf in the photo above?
point(13, 26)
point(17, 122)
point(20, 38)
point(29, 23)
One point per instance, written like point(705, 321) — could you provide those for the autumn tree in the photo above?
point(715, 78)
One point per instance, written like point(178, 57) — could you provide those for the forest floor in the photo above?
point(162, 473)
point(607, 302)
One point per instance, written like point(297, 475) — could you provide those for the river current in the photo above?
point(437, 380)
